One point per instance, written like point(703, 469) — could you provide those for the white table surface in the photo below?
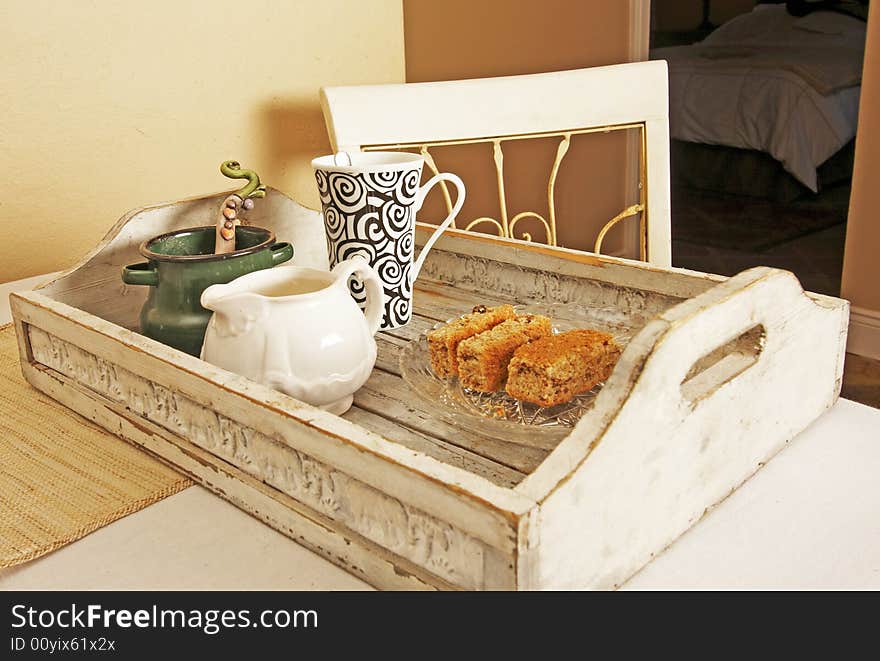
point(809, 519)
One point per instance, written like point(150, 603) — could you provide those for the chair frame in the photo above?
point(419, 116)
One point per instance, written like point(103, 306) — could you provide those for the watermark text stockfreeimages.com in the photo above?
point(208, 621)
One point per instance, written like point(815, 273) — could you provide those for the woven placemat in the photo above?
point(61, 476)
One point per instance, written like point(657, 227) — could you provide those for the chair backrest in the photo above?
point(496, 110)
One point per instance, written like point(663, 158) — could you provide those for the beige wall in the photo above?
point(861, 265)
point(111, 105)
point(457, 39)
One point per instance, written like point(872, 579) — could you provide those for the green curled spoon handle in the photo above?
point(253, 188)
point(228, 218)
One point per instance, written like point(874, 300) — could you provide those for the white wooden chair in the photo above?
point(496, 110)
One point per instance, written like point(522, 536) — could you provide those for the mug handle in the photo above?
point(420, 200)
point(358, 265)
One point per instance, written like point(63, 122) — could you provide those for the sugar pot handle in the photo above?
point(140, 274)
point(359, 266)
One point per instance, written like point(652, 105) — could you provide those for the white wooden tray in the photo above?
point(721, 375)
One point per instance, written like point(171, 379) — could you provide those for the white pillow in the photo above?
point(830, 22)
point(764, 24)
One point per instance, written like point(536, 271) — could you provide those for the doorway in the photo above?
point(762, 142)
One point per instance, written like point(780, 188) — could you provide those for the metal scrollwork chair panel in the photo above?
point(419, 116)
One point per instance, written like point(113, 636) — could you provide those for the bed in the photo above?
point(767, 104)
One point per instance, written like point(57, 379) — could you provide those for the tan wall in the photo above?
point(457, 39)
point(678, 15)
point(861, 266)
point(110, 105)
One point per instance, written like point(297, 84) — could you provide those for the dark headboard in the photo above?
point(855, 8)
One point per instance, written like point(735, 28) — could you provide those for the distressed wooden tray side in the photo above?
point(671, 443)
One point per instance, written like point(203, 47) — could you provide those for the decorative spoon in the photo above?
point(229, 216)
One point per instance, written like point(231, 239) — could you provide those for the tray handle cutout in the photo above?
point(747, 317)
point(722, 365)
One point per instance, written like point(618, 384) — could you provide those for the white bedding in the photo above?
point(740, 87)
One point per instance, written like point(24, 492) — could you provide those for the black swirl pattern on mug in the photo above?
point(334, 222)
point(323, 186)
point(406, 283)
point(399, 309)
point(403, 247)
point(380, 228)
point(383, 181)
point(348, 248)
point(409, 186)
point(347, 192)
point(370, 229)
point(398, 290)
point(358, 291)
point(396, 218)
point(389, 269)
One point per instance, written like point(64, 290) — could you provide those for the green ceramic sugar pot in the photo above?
point(182, 264)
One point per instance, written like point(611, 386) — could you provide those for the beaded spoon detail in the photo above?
point(235, 204)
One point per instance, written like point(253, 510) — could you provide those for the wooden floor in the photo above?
point(815, 258)
point(861, 380)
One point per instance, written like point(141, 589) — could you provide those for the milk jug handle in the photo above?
point(420, 199)
point(359, 266)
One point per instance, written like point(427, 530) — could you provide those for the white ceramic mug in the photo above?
point(369, 201)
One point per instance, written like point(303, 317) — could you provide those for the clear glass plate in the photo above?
point(497, 414)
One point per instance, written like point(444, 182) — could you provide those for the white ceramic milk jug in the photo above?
point(297, 330)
